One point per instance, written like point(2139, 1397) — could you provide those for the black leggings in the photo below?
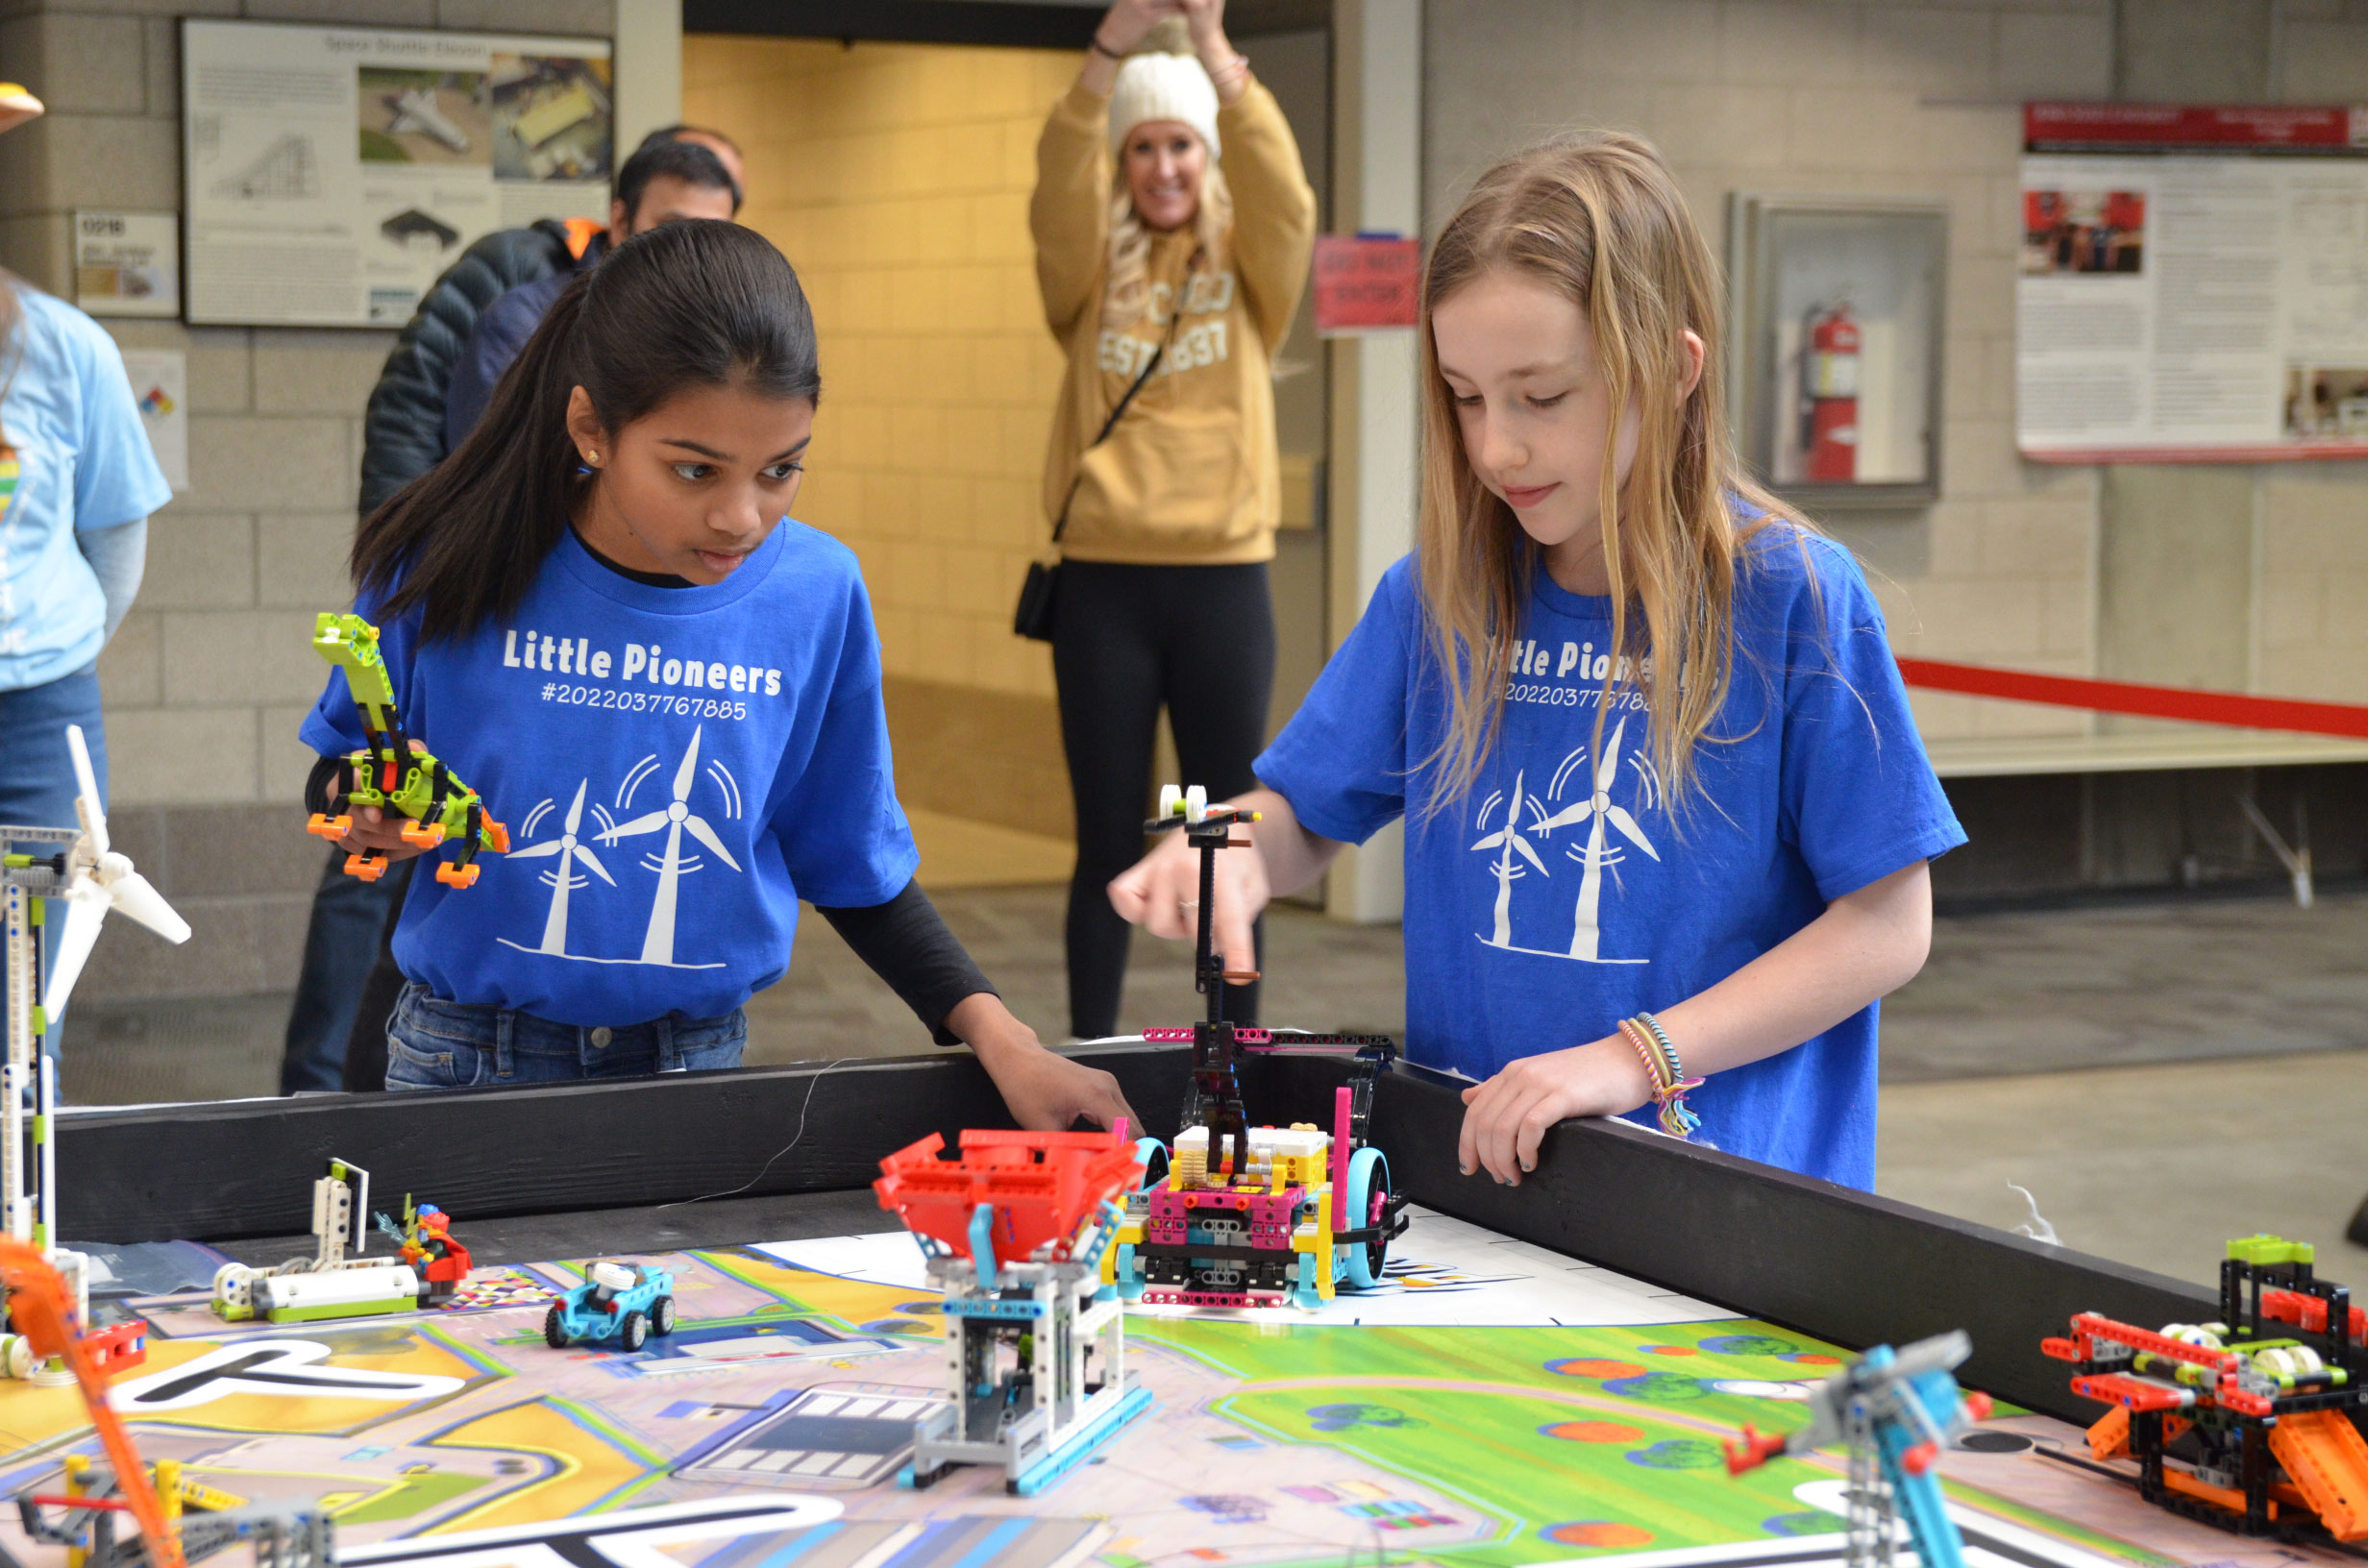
point(1127, 639)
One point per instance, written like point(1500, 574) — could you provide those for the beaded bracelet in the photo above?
point(1667, 1073)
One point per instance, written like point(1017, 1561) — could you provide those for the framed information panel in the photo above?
point(332, 173)
point(2193, 283)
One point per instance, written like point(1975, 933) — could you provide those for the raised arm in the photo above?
point(1068, 216)
point(1274, 206)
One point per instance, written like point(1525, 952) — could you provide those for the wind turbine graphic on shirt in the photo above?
point(658, 945)
point(563, 877)
point(1508, 842)
point(1595, 809)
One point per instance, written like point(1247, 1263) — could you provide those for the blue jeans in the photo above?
point(37, 770)
point(432, 1043)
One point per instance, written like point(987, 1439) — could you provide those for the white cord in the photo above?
point(802, 1108)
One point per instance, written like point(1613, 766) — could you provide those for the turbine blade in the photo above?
point(650, 822)
point(575, 812)
point(548, 846)
point(1494, 840)
point(137, 897)
point(705, 835)
point(1578, 811)
point(1618, 816)
point(1531, 855)
point(584, 853)
point(87, 789)
point(86, 909)
point(687, 774)
point(1607, 766)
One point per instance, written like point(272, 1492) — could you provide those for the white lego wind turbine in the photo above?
point(98, 878)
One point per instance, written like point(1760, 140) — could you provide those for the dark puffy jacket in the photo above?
point(402, 429)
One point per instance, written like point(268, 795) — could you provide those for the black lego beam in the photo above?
point(246, 1167)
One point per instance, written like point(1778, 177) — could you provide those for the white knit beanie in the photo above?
point(1160, 86)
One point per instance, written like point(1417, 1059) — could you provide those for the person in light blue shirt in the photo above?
point(76, 482)
point(1668, 815)
point(598, 614)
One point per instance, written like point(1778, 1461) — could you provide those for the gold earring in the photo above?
point(591, 457)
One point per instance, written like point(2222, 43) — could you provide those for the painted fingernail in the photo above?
point(1463, 1169)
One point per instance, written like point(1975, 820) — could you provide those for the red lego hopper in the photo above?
point(1042, 1187)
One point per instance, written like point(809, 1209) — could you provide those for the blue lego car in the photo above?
point(618, 1304)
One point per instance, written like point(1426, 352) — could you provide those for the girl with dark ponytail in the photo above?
point(598, 612)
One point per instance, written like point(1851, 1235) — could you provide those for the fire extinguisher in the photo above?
point(1830, 394)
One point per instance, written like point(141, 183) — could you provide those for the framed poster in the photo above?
point(127, 264)
point(1838, 317)
point(2193, 284)
point(332, 172)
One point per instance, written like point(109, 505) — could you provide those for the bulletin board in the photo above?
point(2193, 283)
point(333, 173)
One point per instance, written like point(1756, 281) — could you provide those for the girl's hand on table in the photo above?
point(1505, 1117)
point(1044, 1091)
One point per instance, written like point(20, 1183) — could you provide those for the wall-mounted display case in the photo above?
point(1837, 311)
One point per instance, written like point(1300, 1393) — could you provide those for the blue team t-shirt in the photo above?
point(676, 767)
point(83, 466)
point(1561, 895)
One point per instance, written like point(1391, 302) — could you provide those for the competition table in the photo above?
point(1747, 1280)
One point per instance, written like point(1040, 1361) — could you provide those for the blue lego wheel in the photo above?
point(1154, 1157)
point(1368, 1180)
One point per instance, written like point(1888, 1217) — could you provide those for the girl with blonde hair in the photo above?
point(1669, 818)
point(1173, 224)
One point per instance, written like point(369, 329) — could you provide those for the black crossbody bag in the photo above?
point(1040, 590)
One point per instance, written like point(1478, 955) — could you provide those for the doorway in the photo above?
point(892, 160)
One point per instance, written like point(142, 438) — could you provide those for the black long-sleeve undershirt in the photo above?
point(907, 943)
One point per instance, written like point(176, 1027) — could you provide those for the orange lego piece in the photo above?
point(369, 870)
point(329, 827)
point(42, 1312)
point(2109, 1437)
point(426, 835)
point(2324, 1455)
point(497, 836)
point(457, 876)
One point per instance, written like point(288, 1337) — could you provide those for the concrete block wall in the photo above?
point(1921, 100)
point(898, 177)
point(206, 679)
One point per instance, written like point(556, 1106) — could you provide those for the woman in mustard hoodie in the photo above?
point(1172, 223)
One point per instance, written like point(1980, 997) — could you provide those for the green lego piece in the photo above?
point(2265, 1251)
point(389, 773)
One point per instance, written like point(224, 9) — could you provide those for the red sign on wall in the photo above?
point(2253, 128)
point(1366, 285)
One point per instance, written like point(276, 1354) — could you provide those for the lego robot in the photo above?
point(1015, 1230)
point(618, 1304)
point(1246, 1215)
point(1895, 1410)
point(392, 777)
point(2236, 1423)
point(329, 1283)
